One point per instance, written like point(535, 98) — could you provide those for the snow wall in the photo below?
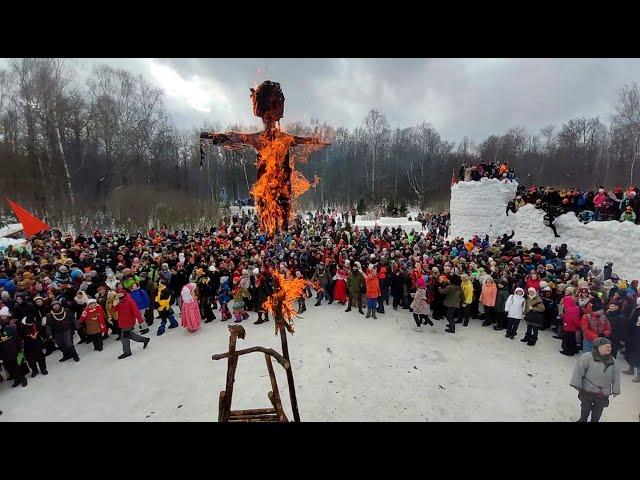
point(478, 208)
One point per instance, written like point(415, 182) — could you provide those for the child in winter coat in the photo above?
point(420, 305)
point(224, 297)
point(239, 294)
point(93, 317)
point(570, 324)
point(514, 307)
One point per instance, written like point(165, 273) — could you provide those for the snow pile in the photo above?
point(478, 208)
point(10, 229)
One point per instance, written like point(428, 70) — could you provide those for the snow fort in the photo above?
point(479, 208)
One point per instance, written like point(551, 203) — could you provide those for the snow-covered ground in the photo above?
point(346, 368)
point(479, 208)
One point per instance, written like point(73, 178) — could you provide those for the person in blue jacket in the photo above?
point(141, 297)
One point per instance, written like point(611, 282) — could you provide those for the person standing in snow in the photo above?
point(596, 376)
point(372, 291)
point(60, 323)
point(420, 306)
point(143, 302)
point(11, 350)
point(533, 315)
point(33, 344)
point(488, 297)
point(128, 315)
point(189, 308)
point(93, 318)
point(570, 325)
point(515, 312)
point(501, 300)
point(452, 300)
point(163, 303)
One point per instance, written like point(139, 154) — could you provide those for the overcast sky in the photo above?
point(472, 97)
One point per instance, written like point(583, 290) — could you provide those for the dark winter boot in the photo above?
point(348, 309)
point(34, 373)
point(368, 312)
point(16, 383)
point(416, 319)
point(373, 314)
point(360, 311)
point(317, 303)
point(524, 339)
point(428, 321)
point(531, 343)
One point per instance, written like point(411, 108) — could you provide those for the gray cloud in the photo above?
point(460, 97)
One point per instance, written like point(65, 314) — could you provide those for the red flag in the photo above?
point(31, 224)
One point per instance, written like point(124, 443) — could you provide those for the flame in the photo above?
point(279, 184)
point(286, 293)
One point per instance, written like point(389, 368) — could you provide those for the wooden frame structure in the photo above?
point(273, 414)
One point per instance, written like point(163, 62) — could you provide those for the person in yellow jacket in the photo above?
point(163, 304)
point(467, 298)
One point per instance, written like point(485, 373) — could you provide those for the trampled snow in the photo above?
point(478, 208)
point(346, 368)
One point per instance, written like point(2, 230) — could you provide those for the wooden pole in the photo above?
point(285, 354)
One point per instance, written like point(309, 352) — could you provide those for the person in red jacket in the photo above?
point(570, 325)
point(95, 323)
point(128, 315)
point(532, 281)
point(594, 325)
point(598, 202)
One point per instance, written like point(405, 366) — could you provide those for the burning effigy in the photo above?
point(275, 192)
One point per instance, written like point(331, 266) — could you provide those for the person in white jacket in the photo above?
point(515, 312)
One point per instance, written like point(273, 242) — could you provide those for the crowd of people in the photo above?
point(497, 170)
point(616, 204)
point(588, 205)
point(111, 284)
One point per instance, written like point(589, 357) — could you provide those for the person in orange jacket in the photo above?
point(373, 291)
point(488, 297)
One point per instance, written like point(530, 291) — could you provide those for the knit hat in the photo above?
point(4, 312)
point(598, 342)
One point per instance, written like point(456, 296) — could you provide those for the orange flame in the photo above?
point(279, 184)
point(284, 297)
